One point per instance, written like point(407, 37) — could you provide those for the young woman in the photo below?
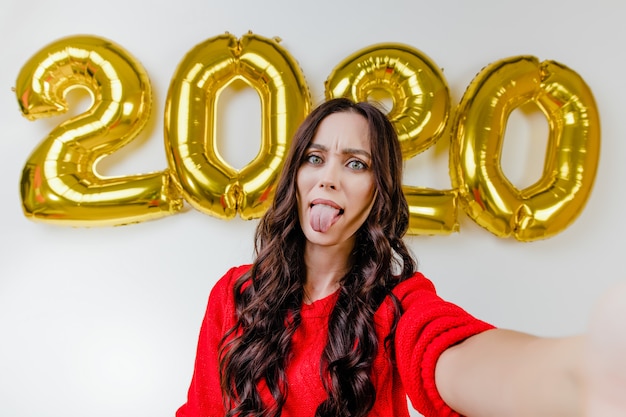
point(332, 318)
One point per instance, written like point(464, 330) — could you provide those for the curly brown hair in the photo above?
point(269, 297)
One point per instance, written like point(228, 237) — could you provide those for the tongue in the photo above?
point(322, 217)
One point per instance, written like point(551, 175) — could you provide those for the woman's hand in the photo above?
point(606, 354)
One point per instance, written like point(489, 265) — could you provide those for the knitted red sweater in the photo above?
point(427, 327)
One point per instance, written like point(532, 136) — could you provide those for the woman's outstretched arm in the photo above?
point(506, 373)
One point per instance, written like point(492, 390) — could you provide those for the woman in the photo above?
point(332, 318)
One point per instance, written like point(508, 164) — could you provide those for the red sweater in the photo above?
point(427, 327)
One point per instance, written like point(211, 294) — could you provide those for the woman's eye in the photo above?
point(357, 165)
point(314, 159)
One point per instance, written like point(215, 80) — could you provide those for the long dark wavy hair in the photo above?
point(268, 298)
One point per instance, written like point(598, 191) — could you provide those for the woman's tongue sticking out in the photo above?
point(323, 216)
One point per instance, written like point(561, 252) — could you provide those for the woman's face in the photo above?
point(335, 183)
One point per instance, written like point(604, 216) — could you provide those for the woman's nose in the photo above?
point(327, 184)
point(330, 177)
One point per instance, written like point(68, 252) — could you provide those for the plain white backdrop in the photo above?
point(104, 321)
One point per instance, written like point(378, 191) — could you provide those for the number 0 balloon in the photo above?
point(555, 200)
point(206, 180)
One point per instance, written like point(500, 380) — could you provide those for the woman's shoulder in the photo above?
point(416, 283)
point(235, 272)
point(224, 285)
point(221, 304)
point(416, 287)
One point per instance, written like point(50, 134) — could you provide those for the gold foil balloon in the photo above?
point(555, 200)
point(431, 212)
point(206, 180)
point(419, 92)
point(59, 182)
point(420, 110)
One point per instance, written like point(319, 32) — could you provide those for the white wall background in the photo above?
point(103, 321)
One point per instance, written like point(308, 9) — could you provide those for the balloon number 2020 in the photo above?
point(60, 184)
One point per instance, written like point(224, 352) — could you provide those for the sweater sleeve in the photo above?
point(204, 397)
point(428, 326)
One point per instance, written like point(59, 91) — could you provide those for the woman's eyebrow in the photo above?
point(318, 146)
point(356, 151)
point(346, 151)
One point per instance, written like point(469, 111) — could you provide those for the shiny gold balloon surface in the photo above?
point(59, 182)
point(431, 212)
point(206, 180)
point(555, 200)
